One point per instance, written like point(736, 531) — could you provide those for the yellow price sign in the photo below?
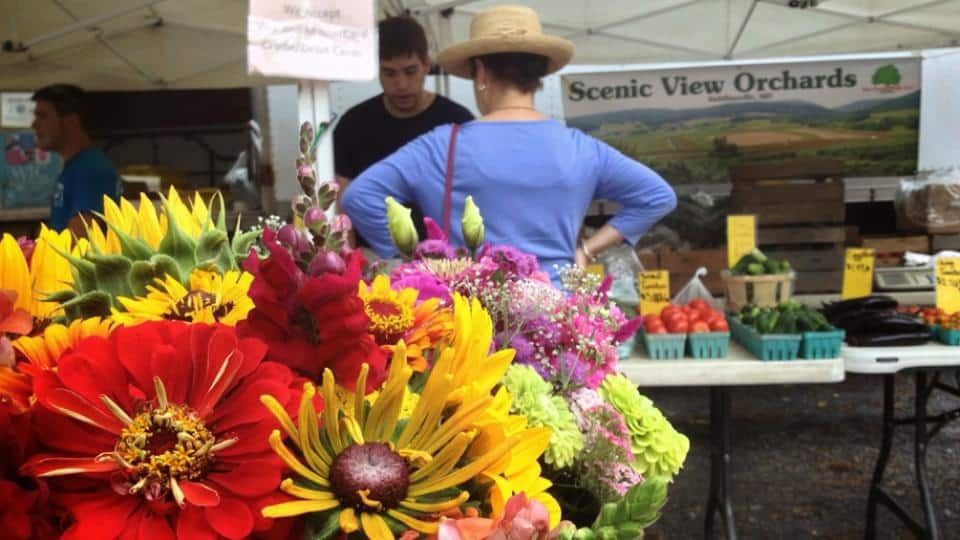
point(857, 273)
point(948, 284)
point(654, 287)
point(741, 237)
point(597, 269)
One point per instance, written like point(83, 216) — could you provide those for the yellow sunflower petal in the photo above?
point(276, 443)
point(290, 488)
point(297, 508)
point(375, 527)
point(426, 527)
point(436, 507)
point(14, 274)
point(348, 521)
point(277, 410)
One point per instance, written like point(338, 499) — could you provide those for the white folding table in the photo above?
point(740, 368)
point(930, 365)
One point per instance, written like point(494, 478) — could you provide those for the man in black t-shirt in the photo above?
point(378, 127)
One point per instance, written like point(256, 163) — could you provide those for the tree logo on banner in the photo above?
point(887, 75)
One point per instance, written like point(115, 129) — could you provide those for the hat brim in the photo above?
point(456, 59)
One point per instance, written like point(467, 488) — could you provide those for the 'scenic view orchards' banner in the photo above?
point(691, 124)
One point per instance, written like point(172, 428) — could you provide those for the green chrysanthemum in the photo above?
point(659, 449)
point(533, 397)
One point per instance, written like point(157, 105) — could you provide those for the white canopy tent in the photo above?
point(140, 44)
point(632, 32)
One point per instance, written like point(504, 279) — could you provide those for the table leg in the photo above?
point(922, 435)
point(719, 497)
point(886, 441)
point(920, 439)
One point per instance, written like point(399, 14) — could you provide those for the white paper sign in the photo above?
point(16, 109)
point(312, 39)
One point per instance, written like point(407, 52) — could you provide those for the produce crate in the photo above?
point(818, 345)
point(709, 344)
point(948, 337)
point(763, 291)
point(766, 347)
point(682, 265)
point(664, 346)
point(797, 192)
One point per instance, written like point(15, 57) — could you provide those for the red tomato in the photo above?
point(668, 310)
point(699, 304)
point(720, 326)
point(657, 330)
point(678, 326)
point(673, 316)
point(699, 327)
point(694, 316)
point(652, 321)
point(713, 316)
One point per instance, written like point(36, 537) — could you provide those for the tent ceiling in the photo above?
point(628, 31)
point(138, 44)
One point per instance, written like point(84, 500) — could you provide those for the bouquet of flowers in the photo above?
point(164, 378)
point(565, 339)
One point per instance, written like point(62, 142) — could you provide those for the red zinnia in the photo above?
point(311, 322)
point(164, 422)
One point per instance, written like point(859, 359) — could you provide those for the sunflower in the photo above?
point(145, 223)
point(211, 298)
point(46, 272)
point(396, 315)
point(41, 353)
point(422, 463)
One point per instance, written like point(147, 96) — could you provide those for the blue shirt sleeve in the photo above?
point(363, 201)
point(645, 196)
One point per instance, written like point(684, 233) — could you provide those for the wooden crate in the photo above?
point(779, 236)
point(797, 192)
point(804, 260)
point(683, 264)
point(819, 282)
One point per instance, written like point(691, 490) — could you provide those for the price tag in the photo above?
point(597, 269)
point(741, 237)
point(654, 287)
point(948, 284)
point(857, 273)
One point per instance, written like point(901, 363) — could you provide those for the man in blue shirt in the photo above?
point(87, 173)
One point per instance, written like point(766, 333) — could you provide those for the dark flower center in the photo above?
point(190, 304)
point(370, 475)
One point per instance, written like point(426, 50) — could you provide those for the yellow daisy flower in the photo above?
point(41, 352)
point(366, 470)
point(211, 298)
point(396, 315)
point(46, 273)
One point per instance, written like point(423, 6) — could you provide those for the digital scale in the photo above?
point(903, 278)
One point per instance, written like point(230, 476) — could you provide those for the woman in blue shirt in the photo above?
point(532, 178)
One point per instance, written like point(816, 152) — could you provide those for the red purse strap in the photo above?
point(448, 180)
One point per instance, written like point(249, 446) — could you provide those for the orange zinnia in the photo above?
point(396, 315)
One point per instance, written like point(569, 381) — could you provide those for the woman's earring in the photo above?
point(481, 87)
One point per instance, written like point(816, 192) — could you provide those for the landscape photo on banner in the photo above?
point(692, 124)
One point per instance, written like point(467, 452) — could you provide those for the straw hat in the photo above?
point(505, 29)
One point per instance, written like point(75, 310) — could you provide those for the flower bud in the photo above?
point(472, 224)
point(326, 262)
point(287, 236)
point(400, 224)
point(314, 219)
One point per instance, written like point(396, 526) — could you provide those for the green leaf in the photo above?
point(243, 241)
point(60, 296)
point(91, 304)
point(211, 245)
point(329, 528)
point(178, 245)
point(166, 265)
point(112, 273)
point(134, 248)
point(222, 211)
point(143, 273)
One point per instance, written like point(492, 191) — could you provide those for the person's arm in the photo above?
point(363, 200)
point(644, 195)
